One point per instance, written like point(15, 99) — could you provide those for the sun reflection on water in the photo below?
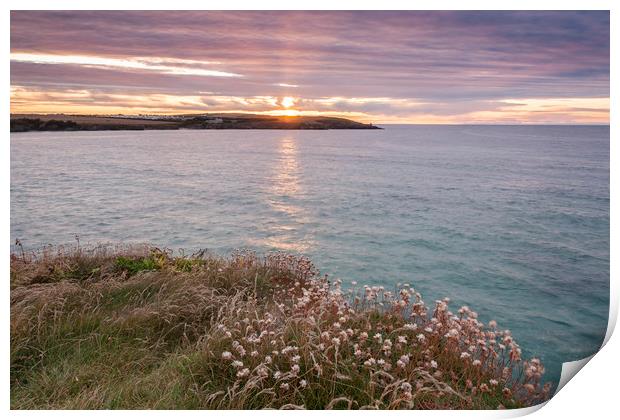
point(285, 190)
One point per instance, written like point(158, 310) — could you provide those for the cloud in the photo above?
point(162, 65)
point(26, 99)
point(433, 63)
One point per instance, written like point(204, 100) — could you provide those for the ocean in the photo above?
point(512, 221)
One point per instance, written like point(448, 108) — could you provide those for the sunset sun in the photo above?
point(287, 102)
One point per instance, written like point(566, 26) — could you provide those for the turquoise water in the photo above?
point(510, 220)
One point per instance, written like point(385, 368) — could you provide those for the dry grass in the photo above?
point(138, 328)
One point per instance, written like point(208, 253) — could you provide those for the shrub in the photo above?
point(150, 330)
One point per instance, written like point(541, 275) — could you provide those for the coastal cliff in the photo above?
point(61, 122)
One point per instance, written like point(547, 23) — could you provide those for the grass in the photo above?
point(140, 328)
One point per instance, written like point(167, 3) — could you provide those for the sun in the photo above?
point(287, 102)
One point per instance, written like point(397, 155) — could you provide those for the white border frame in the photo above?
point(592, 394)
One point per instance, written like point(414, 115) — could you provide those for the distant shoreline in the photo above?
point(62, 122)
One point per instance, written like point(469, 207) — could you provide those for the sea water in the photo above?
point(510, 220)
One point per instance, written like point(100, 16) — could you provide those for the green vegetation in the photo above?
point(139, 328)
point(36, 124)
point(33, 122)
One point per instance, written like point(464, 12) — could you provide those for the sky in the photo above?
point(438, 67)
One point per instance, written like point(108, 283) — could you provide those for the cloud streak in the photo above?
point(161, 65)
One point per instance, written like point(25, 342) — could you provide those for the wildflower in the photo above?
point(403, 361)
point(268, 360)
point(318, 368)
point(336, 325)
point(402, 339)
point(254, 353)
point(433, 364)
point(493, 382)
point(295, 370)
point(243, 373)
point(421, 338)
point(381, 362)
point(296, 359)
point(288, 349)
point(303, 383)
point(378, 337)
point(284, 386)
point(363, 336)
point(476, 362)
point(237, 363)
point(370, 362)
point(228, 334)
point(226, 355)
point(411, 327)
point(406, 387)
point(465, 355)
point(336, 341)
point(277, 374)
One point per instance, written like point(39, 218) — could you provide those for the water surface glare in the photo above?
point(510, 220)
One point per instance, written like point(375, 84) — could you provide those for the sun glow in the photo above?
point(287, 102)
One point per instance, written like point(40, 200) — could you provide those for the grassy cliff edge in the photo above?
point(136, 327)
